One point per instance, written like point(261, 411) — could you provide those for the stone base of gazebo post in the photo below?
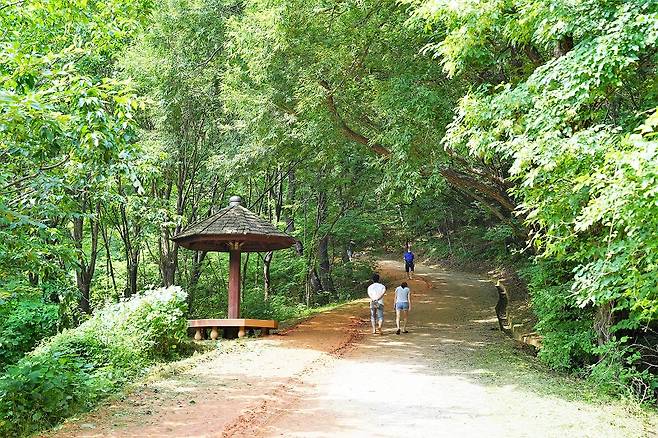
point(231, 328)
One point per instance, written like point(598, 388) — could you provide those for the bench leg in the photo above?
point(241, 332)
point(214, 334)
point(198, 335)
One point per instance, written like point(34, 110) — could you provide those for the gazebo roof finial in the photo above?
point(234, 200)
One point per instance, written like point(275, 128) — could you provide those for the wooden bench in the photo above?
point(264, 325)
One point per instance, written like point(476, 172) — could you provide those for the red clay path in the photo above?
point(330, 377)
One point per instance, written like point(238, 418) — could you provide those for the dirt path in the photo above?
point(451, 376)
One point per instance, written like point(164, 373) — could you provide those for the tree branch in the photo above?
point(9, 5)
point(346, 130)
point(563, 46)
point(34, 175)
point(457, 179)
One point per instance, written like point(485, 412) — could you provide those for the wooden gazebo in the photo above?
point(233, 229)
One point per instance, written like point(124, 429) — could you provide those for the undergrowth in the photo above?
point(71, 371)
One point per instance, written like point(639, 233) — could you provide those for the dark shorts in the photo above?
point(408, 266)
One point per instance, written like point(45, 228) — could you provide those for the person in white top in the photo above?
point(402, 305)
point(376, 292)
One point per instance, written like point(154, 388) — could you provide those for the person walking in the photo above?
point(376, 292)
point(409, 262)
point(402, 306)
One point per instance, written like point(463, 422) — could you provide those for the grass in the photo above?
point(311, 312)
point(507, 363)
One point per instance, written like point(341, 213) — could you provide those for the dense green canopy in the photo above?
point(508, 132)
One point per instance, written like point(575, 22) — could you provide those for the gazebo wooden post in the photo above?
point(234, 283)
point(233, 229)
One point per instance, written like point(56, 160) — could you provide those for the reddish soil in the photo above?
point(328, 376)
point(228, 393)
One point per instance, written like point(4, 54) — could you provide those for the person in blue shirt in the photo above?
point(409, 262)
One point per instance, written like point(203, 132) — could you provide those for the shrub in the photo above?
point(278, 307)
point(352, 279)
point(209, 304)
point(621, 370)
point(568, 337)
point(40, 390)
point(23, 323)
point(77, 367)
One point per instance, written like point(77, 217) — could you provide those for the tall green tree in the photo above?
point(64, 128)
point(567, 105)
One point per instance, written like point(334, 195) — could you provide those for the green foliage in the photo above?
point(78, 366)
point(22, 324)
point(288, 271)
point(565, 98)
point(473, 247)
point(64, 126)
point(482, 130)
point(277, 307)
point(620, 370)
point(352, 278)
point(360, 227)
point(567, 333)
point(41, 390)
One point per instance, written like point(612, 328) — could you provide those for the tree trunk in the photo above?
point(290, 213)
point(33, 278)
point(83, 287)
point(132, 265)
point(314, 280)
point(469, 183)
point(108, 255)
point(325, 265)
point(346, 253)
point(323, 246)
point(84, 273)
point(563, 46)
point(603, 321)
point(199, 257)
point(168, 257)
point(267, 278)
point(244, 271)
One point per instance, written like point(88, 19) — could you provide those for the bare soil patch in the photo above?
point(453, 375)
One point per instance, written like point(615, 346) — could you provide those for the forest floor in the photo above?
point(453, 375)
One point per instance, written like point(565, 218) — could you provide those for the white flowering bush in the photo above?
point(75, 368)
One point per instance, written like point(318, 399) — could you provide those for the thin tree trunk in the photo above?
point(199, 257)
point(110, 267)
point(244, 271)
point(85, 272)
point(132, 268)
point(168, 257)
point(307, 290)
point(325, 265)
point(267, 278)
point(324, 262)
point(345, 253)
point(315, 282)
point(603, 321)
point(290, 212)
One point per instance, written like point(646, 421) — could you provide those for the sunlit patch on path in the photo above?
point(453, 375)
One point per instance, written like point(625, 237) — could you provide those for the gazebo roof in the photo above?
point(233, 227)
